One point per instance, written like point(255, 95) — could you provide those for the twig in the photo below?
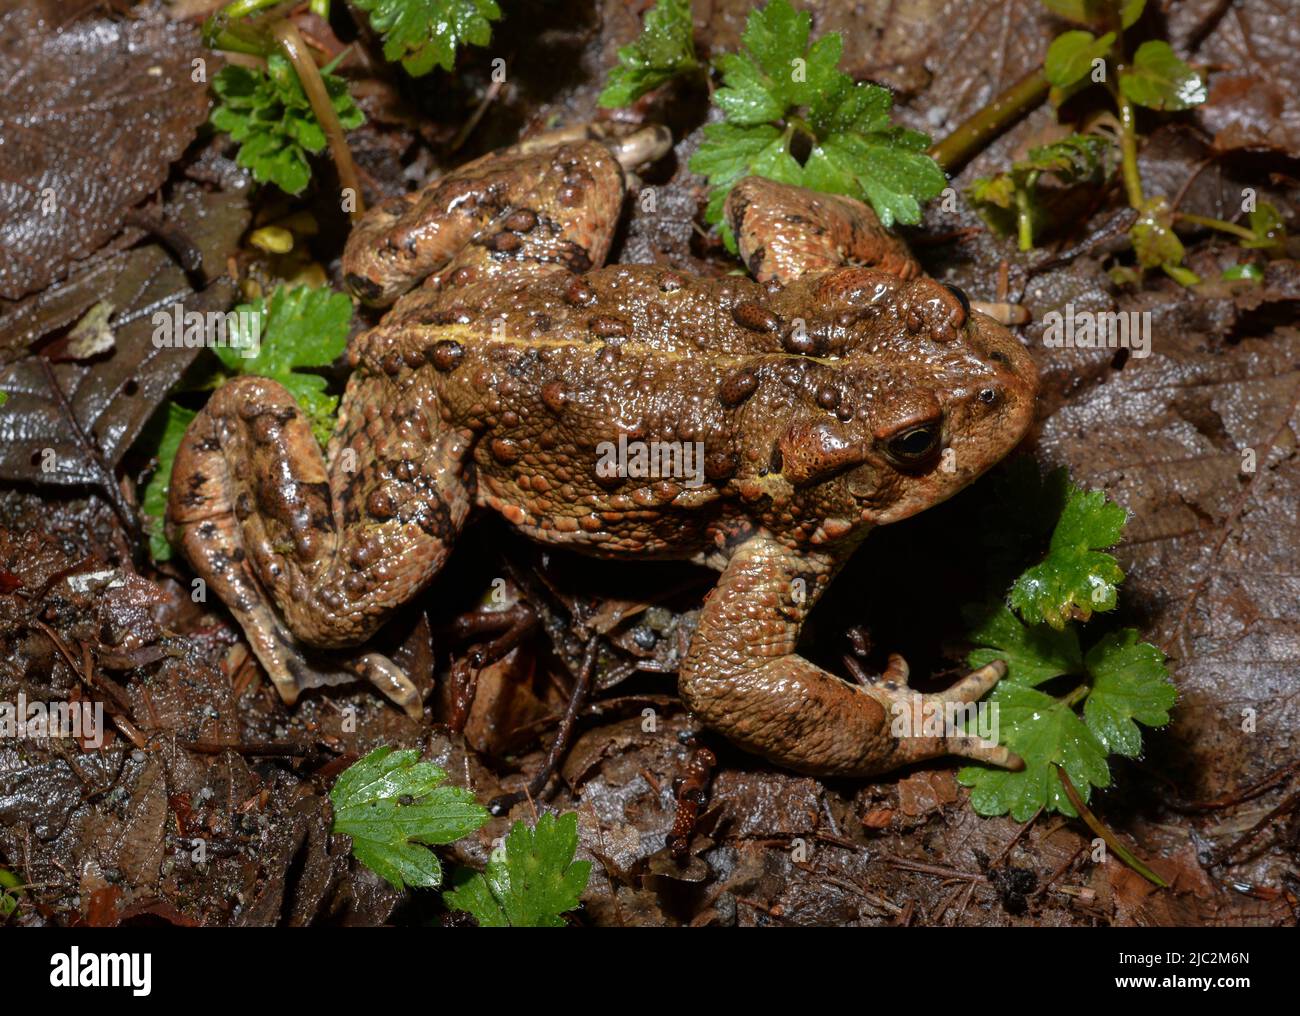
point(467, 128)
point(978, 130)
point(577, 697)
point(1287, 805)
point(1012, 842)
point(1069, 862)
point(1233, 797)
point(873, 898)
point(259, 749)
point(932, 869)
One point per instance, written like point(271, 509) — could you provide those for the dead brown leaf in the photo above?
point(91, 117)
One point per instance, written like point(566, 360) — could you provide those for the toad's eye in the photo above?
point(962, 299)
point(914, 445)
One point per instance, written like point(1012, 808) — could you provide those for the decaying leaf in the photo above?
point(91, 117)
point(114, 397)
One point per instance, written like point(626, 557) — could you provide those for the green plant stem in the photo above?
point(1127, 125)
point(292, 45)
point(1219, 224)
point(243, 8)
point(976, 132)
point(1075, 697)
point(1024, 212)
point(1098, 827)
point(1128, 151)
point(242, 27)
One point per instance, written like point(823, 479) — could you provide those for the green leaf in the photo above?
point(268, 113)
point(999, 191)
point(782, 86)
point(1129, 682)
point(1043, 731)
point(730, 152)
point(776, 36)
point(531, 881)
point(1119, 682)
point(1269, 227)
point(1033, 655)
point(746, 97)
point(1248, 271)
point(665, 49)
point(1076, 578)
point(300, 328)
point(11, 887)
point(1008, 198)
point(424, 34)
point(166, 438)
point(390, 803)
point(1155, 244)
point(1158, 79)
point(1181, 275)
point(996, 200)
point(1096, 12)
point(1070, 56)
point(888, 169)
point(1078, 158)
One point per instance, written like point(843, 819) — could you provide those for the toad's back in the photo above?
point(550, 374)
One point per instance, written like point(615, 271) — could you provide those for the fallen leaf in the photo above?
point(111, 400)
point(91, 117)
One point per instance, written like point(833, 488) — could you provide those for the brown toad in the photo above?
point(633, 411)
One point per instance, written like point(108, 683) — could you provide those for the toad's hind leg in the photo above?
point(520, 213)
point(743, 676)
point(785, 232)
point(310, 556)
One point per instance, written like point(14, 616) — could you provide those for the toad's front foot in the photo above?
point(743, 676)
point(930, 726)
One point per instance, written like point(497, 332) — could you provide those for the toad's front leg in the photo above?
point(743, 677)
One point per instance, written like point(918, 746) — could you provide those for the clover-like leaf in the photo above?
point(424, 34)
point(1158, 79)
point(1129, 682)
point(298, 329)
point(1076, 578)
point(530, 882)
point(1033, 655)
point(889, 170)
point(1044, 732)
point(665, 49)
point(391, 804)
point(268, 113)
point(781, 86)
point(1070, 56)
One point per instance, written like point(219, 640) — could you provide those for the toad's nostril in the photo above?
point(988, 396)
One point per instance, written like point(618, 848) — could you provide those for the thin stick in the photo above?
point(980, 129)
point(577, 698)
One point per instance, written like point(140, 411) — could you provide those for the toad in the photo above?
point(759, 426)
